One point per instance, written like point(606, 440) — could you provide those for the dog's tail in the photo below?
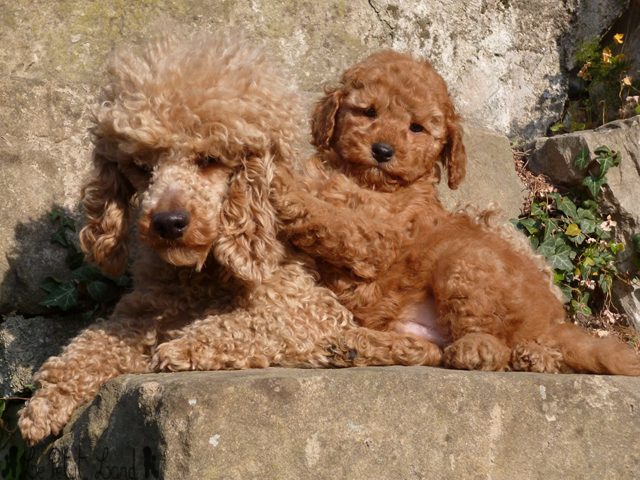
point(585, 353)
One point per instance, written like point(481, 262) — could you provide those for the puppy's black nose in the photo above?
point(382, 152)
point(170, 225)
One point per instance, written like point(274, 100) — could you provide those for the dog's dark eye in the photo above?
point(205, 162)
point(370, 112)
point(416, 127)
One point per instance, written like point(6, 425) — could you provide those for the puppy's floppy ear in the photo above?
point(106, 202)
point(323, 121)
point(454, 156)
point(248, 246)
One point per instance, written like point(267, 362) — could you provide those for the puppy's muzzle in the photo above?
point(170, 225)
point(382, 152)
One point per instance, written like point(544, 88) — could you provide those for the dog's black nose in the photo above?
point(170, 225)
point(382, 152)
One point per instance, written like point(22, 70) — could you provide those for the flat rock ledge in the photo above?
point(368, 423)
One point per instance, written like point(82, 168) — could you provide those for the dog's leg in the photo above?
point(98, 354)
point(469, 305)
point(245, 340)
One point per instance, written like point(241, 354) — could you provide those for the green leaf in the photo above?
point(60, 237)
point(87, 273)
point(565, 205)
point(556, 127)
point(583, 159)
point(566, 292)
point(558, 253)
point(64, 297)
point(580, 307)
point(616, 247)
point(550, 227)
point(573, 230)
point(604, 282)
point(635, 238)
point(607, 160)
point(538, 210)
point(593, 184)
point(637, 109)
point(530, 225)
point(50, 284)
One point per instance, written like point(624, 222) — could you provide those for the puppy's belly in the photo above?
point(422, 320)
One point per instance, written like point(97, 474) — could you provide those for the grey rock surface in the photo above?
point(25, 343)
point(491, 179)
point(369, 423)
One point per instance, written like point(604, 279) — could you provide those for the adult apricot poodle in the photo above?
point(397, 259)
point(191, 131)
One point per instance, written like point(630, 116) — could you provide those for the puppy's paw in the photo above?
point(533, 357)
point(477, 351)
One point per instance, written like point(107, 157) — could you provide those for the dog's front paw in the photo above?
point(173, 356)
point(38, 419)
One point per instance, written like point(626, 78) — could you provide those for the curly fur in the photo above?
point(198, 126)
point(400, 262)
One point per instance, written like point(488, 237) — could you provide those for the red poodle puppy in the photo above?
point(397, 259)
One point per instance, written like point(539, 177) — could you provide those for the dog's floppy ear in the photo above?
point(454, 156)
point(106, 202)
point(248, 246)
point(323, 121)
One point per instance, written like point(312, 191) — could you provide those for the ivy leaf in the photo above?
point(64, 297)
point(530, 225)
point(550, 227)
point(604, 282)
point(538, 210)
point(86, 273)
point(583, 159)
point(558, 253)
point(566, 292)
point(565, 205)
point(49, 284)
point(573, 230)
point(606, 161)
point(616, 247)
point(593, 184)
point(580, 307)
point(60, 237)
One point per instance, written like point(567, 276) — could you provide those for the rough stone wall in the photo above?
point(504, 61)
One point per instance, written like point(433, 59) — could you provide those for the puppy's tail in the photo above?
point(585, 353)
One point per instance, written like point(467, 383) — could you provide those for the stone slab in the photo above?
point(369, 423)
